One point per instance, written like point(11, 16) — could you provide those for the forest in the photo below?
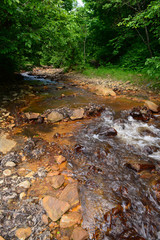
point(120, 33)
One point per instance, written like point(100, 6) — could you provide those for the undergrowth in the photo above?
point(117, 73)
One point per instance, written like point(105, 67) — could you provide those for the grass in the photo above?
point(119, 74)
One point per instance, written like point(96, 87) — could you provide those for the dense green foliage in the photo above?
point(125, 32)
point(56, 32)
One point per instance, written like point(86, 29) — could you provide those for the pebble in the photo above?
point(10, 164)
point(45, 219)
point(25, 184)
point(7, 173)
point(22, 195)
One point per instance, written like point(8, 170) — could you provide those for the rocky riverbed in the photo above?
point(78, 165)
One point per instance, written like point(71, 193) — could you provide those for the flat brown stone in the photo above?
point(79, 234)
point(59, 159)
point(152, 106)
point(70, 194)
point(1, 238)
point(54, 207)
point(23, 233)
point(57, 181)
point(70, 219)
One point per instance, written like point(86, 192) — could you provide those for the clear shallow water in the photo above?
point(108, 185)
point(116, 202)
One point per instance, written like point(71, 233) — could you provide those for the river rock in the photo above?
point(104, 91)
point(77, 114)
point(6, 144)
point(10, 164)
point(70, 219)
point(54, 207)
point(23, 233)
point(55, 116)
point(45, 219)
point(7, 173)
point(139, 166)
point(32, 116)
point(79, 234)
point(22, 195)
point(57, 181)
point(1, 238)
point(106, 131)
point(70, 194)
point(59, 159)
point(25, 184)
point(152, 106)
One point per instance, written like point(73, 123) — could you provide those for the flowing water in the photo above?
point(117, 201)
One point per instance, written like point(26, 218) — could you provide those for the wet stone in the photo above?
point(6, 144)
point(1, 238)
point(22, 195)
point(23, 233)
point(55, 116)
point(140, 166)
point(45, 219)
point(106, 131)
point(25, 184)
point(70, 219)
point(10, 164)
point(32, 116)
point(152, 106)
point(54, 207)
point(7, 173)
point(77, 114)
point(57, 181)
point(79, 234)
point(59, 159)
point(70, 194)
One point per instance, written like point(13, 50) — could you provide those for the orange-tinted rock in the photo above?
point(70, 194)
point(57, 181)
point(152, 106)
point(23, 233)
point(45, 219)
point(32, 116)
point(70, 219)
point(60, 159)
point(79, 234)
point(1, 238)
point(54, 207)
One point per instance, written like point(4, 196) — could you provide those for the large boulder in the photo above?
point(54, 207)
point(152, 106)
point(55, 116)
